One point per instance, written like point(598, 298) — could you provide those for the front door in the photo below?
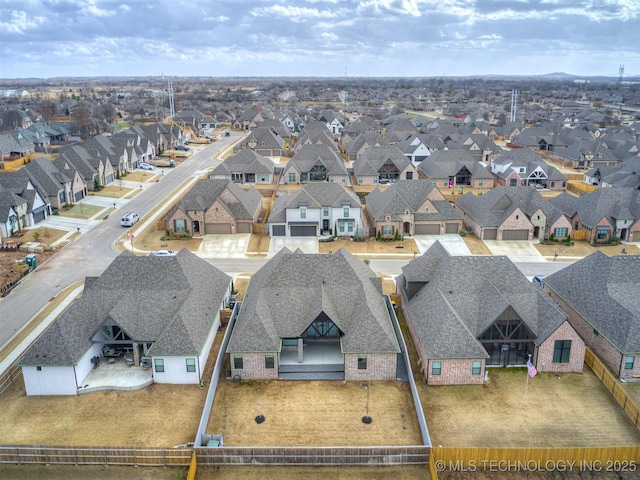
point(196, 226)
point(325, 224)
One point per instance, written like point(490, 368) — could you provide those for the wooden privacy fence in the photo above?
point(313, 456)
point(570, 459)
point(138, 457)
point(611, 382)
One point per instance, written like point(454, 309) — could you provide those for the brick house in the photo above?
point(411, 208)
point(215, 207)
point(523, 166)
point(315, 163)
point(512, 213)
point(455, 169)
point(380, 165)
point(470, 313)
point(599, 294)
point(314, 317)
point(246, 166)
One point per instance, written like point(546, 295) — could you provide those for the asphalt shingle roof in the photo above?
point(170, 301)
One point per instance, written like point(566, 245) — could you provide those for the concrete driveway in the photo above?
point(306, 244)
point(224, 246)
point(516, 251)
point(454, 244)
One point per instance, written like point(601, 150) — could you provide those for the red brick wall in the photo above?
point(380, 366)
point(610, 355)
point(253, 366)
point(455, 372)
point(544, 357)
point(513, 223)
point(218, 214)
point(180, 215)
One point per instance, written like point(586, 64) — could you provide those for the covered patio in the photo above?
point(321, 360)
point(116, 376)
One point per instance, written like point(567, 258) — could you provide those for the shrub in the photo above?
point(568, 239)
point(379, 236)
point(552, 238)
point(463, 232)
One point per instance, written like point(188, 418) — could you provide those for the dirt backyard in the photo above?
point(314, 413)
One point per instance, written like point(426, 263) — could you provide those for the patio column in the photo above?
point(136, 355)
point(300, 350)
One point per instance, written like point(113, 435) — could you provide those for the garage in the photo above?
point(217, 228)
point(515, 235)
point(490, 234)
point(78, 196)
point(39, 214)
point(303, 231)
point(452, 228)
point(427, 229)
point(108, 179)
point(244, 227)
point(278, 231)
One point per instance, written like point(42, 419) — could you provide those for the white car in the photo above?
point(163, 253)
point(146, 166)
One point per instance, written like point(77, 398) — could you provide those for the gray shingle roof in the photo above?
point(245, 161)
point(409, 195)
point(464, 295)
point(292, 289)
point(317, 195)
point(447, 163)
point(171, 301)
point(308, 155)
point(605, 291)
point(610, 203)
point(375, 157)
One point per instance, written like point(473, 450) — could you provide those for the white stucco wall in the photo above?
point(50, 380)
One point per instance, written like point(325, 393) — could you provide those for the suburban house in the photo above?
point(332, 121)
point(165, 309)
point(587, 154)
point(246, 166)
point(468, 313)
point(480, 147)
point(94, 171)
point(315, 133)
point(627, 174)
point(603, 214)
point(13, 146)
point(264, 142)
point(315, 163)
point(600, 295)
point(522, 166)
point(353, 148)
point(410, 207)
point(418, 147)
point(13, 212)
point(248, 120)
point(538, 138)
point(52, 184)
point(383, 165)
point(36, 208)
point(313, 317)
point(455, 169)
point(215, 207)
point(512, 213)
point(314, 210)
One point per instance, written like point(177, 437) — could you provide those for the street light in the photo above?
point(78, 228)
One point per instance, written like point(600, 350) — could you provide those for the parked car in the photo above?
point(146, 166)
point(539, 280)
point(129, 219)
point(162, 253)
point(182, 148)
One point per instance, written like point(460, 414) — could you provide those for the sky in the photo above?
point(319, 38)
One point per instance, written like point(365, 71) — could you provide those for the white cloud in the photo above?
point(20, 22)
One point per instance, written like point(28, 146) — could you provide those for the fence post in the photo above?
point(18, 456)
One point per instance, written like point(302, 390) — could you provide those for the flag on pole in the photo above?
point(532, 369)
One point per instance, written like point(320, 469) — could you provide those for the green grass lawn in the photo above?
point(81, 210)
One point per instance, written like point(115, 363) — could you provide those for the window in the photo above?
point(350, 227)
point(362, 362)
point(387, 229)
point(269, 362)
point(601, 234)
point(325, 211)
point(303, 212)
point(513, 182)
point(436, 368)
point(180, 226)
point(517, 217)
point(564, 184)
point(375, 179)
point(159, 363)
point(595, 333)
point(238, 364)
point(628, 363)
point(479, 183)
point(561, 351)
point(345, 212)
point(191, 364)
point(39, 368)
point(341, 225)
point(476, 368)
point(62, 197)
point(292, 177)
point(553, 184)
point(560, 233)
point(359, 180)
point(409, 175)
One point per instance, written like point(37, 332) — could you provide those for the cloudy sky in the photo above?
point(392, 38)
